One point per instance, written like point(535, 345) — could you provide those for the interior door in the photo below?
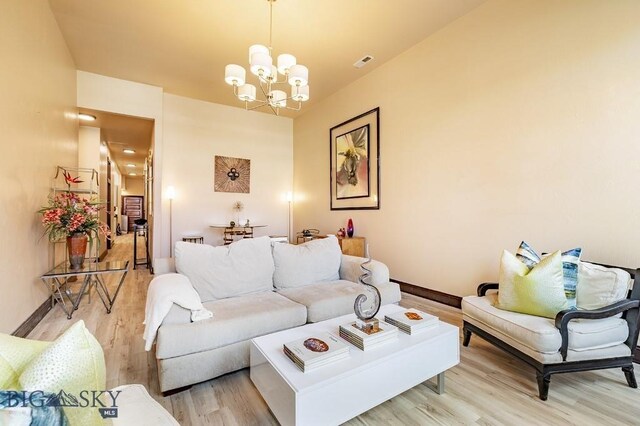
point(132, 206)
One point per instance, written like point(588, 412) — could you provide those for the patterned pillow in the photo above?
point(30, 408)
point(73, 363)
point(570, 261)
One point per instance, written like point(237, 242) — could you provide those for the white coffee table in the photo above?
point(338, 392)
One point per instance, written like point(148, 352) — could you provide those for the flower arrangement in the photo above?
point(68, 214)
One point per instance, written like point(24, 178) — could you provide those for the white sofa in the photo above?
point(254, 288)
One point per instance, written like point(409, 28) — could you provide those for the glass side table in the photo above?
point(92, 274)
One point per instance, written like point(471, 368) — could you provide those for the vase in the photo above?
point(350, 228)
point(76, 247)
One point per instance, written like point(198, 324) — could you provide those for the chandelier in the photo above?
point(271, 78)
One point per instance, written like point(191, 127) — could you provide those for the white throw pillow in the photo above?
point(309, 263)
point(600, 286)
point(243, 267)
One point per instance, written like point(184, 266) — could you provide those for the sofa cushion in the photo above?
point(308, 263)
point(601, 286)
point(331, 299)
point(236, 319)
point(540, 334)
point(243, 267)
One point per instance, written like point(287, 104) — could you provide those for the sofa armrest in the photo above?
point(563, 318)
point(137, 407)
point(350, 270)
point(484, 287)
point(165, 265)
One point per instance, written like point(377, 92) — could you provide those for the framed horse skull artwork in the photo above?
point(355, 163)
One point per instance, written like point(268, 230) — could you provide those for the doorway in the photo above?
point(133, 209)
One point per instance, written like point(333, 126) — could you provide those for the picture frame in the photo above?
point(232, 174)
point(354, 163)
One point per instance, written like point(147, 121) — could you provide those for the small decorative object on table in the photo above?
point(366, 321)
point(238, 206)
point(313, 352)
point(74, 218)
point(341, 233)
point(350, 228)
point(232, 224)
point(412, 321)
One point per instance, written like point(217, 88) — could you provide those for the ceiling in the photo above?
point(184, 45)
point(123, 132)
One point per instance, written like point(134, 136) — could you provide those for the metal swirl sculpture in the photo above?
point(362, 312)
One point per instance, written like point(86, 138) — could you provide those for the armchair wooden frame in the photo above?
point(630, 309)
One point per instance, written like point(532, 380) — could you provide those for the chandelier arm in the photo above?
point(263, 91)
point(295, 109)
point(263, 103)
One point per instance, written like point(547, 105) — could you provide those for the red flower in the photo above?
point(69, 180)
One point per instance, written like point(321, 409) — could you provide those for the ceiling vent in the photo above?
point(363, 61)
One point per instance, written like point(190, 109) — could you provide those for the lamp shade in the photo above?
point(278, 98)
point(247, 93)
point(285, 62)
point(298, 75)
point(300, 93)
point(261, 64)
point(234, 74)
point(171, 192)
point(257, 48)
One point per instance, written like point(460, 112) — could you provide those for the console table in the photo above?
point(231, 231)
point(57, 282)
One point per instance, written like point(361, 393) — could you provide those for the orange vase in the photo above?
point(76, 246)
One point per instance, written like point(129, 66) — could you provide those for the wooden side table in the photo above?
point(353, 246)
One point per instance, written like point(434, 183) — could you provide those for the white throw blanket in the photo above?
point(163, 292)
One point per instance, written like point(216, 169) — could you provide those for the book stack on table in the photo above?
point(315, 351)
point(364, 341)
point(412, 321)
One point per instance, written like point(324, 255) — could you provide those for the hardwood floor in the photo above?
point(488, 387)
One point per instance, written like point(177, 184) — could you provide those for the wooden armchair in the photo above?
point(535, 346)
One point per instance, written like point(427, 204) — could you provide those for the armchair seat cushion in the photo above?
point(540, 334)
point(331, 299)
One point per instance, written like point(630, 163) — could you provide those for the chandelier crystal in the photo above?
point(272, 79)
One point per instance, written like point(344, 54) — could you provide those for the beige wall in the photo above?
point(518, 121)
point(134, 186)
point(195, 132)
point(39, 131)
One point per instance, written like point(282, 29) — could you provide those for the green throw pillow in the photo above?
point(15, 354)
point(73, 363)
point(539, 291)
